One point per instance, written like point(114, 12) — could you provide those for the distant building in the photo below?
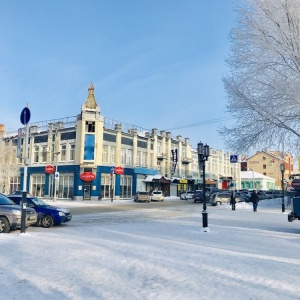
point(268, 164)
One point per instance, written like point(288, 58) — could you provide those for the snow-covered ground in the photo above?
point(158, 253)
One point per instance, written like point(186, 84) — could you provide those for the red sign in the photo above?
point(119, 170)
point(49, 169)
point(87, 176)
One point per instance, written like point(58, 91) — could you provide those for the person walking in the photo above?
point(232, 200)
point(254, 200)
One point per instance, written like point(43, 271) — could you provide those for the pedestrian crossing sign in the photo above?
point(233, 158)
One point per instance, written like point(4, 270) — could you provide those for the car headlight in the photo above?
point(61, 213)
point(16, 212)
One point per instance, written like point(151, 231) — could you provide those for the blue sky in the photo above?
point(155, 64)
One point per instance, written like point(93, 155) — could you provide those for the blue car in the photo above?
point(47, 215)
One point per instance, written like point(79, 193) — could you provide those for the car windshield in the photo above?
point(38, 202)
point(5, 201)
point(190, 192)
point(157, 193)
point(143, 193)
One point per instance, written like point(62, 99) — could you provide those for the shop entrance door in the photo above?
point(87, 191)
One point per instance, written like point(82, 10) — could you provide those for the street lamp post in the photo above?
point(282, 187)
point(203, 154)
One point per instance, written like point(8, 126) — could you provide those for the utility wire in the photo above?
point(201, 123)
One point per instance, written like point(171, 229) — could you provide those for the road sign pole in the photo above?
point(24, 193)
point(24, 118)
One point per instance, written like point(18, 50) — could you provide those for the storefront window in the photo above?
point(65, 185)
point(106, 186)
point(14, 184)
point(38, 185)
point(126, 186)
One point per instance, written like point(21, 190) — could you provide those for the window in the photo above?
point(36, 154)
point(72, 152)
point(14, 184)
point(65, 185)
point(123, 156)
point(265, 174)
point(44, 154)
point(106, 182)
point(126, 184)
point(63, 151)
point(144, 156)
point(264, 158)
point(112, 154)
point(38, 185)
point(89, 126)
point(264, 166)
point(129, 157)
point(158, 148)
point(138, 158)
point(105, 153)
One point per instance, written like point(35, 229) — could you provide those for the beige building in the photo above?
point(268, 164)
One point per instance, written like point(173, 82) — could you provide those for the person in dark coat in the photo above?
point(254, 200)
point(232, 200)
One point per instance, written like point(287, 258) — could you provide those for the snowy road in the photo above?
point(157, 254)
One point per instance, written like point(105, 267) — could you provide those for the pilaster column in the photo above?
point(118, 128)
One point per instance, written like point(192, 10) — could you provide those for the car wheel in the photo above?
point(4, 225)
point(218, 203)
point(47, 221)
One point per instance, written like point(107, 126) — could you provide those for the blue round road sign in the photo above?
point(25, 116)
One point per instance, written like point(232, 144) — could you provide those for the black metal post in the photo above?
point(204, 212)
point(282, 187)
point(23, 211)
point(203, 154)
point(111, 186)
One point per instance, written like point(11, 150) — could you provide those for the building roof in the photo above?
point(254, 175)
point(271, 153)
point(157, 177)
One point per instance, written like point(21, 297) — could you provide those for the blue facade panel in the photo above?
point(89, 147)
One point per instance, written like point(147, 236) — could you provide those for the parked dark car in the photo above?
point(10, 215)
point(47, 215)
point(198, 196)
point(242, 197)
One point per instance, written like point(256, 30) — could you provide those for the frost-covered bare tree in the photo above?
point(263, 82)
point(8, 165)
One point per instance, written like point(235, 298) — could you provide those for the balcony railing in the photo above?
point(186, 161)
point(161, 156)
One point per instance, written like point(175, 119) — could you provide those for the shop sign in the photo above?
point(49, 169)
point(119, 170)
point(87, 176)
